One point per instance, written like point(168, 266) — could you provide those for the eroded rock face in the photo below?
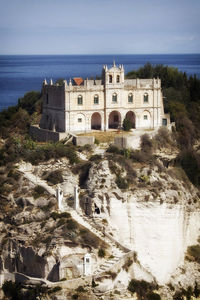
point(160, 234)
point(30, 263)
point(158, 219)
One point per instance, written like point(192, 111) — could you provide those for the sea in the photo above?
point(22, 73)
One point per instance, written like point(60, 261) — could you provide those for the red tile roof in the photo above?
point(78, 80)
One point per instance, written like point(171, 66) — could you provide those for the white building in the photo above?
point(83, 105)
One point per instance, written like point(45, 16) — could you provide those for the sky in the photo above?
point(99, 26)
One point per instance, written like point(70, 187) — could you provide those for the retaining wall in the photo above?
point(84, 140)
point(44, 135)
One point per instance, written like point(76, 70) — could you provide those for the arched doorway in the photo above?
point(131, 117)
point(114, 119)
point(96, 121)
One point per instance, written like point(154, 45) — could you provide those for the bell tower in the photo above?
point(114, 75)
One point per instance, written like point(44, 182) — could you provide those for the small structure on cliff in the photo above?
point(59, 197)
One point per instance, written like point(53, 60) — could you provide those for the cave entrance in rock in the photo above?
point(114, 119)
point(131, 117)
point(96, 209)
point(96, 121)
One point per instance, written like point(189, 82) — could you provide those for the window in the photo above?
point(145, 117)
point(79, 120)
point(114, 98)
point(47, 98)
point(164, 122)
point(130, 98)
point(146, 98)
point(87, 260)
point(118, 78)
point(110, 78)
point(80, 100)
point(96, 99)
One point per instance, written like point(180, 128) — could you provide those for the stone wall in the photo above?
point(45, 135)
point(127, 142)
point(84, 140)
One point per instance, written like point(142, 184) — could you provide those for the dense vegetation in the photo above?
point(143, 289)
point(18, 118)
point(18, 291)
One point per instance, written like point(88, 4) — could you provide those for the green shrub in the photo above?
point(38, 191)
point(113, 275)
point(80, 289)
point(14, 174)
point(153, 296)
point(86, 147)
point(54, 290)
point(143, 289)
point(61, 222)
point(127, 264)
point(113, 149)
point(101, 253)
point(12, 289)
point(50, 150)
point(89, 238)
point(196, 290)
point(71, 224)
point(194, 251)
point(144, 178)
point(162, 138)
point(121, 182)
point(127, 124)
point(94, 284)
point(146, 144)
point(55, 177)
point(96, 158)
point(138, 156)
point(96, 141)
point(55, 215)
point(65, 215)
point(190, 162)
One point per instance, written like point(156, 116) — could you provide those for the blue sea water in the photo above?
point(22, 73)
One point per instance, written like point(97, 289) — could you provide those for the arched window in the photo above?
point(130, 98)
point(146, 98)
point(114, 98)
point(110, 78)
point(96, 99)
point(80, 100)
point(118, 78)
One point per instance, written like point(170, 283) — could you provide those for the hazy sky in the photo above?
point(99, 26)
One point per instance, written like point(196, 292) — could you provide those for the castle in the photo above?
point(85, 105)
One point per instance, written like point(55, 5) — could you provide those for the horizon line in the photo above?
point(98, 54)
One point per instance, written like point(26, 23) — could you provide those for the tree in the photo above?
point(127, 125)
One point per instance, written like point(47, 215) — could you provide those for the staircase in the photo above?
point(92, 224)
point(117, 253)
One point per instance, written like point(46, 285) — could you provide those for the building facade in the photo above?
point(85, 105)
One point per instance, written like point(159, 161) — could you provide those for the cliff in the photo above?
point(144, 215)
